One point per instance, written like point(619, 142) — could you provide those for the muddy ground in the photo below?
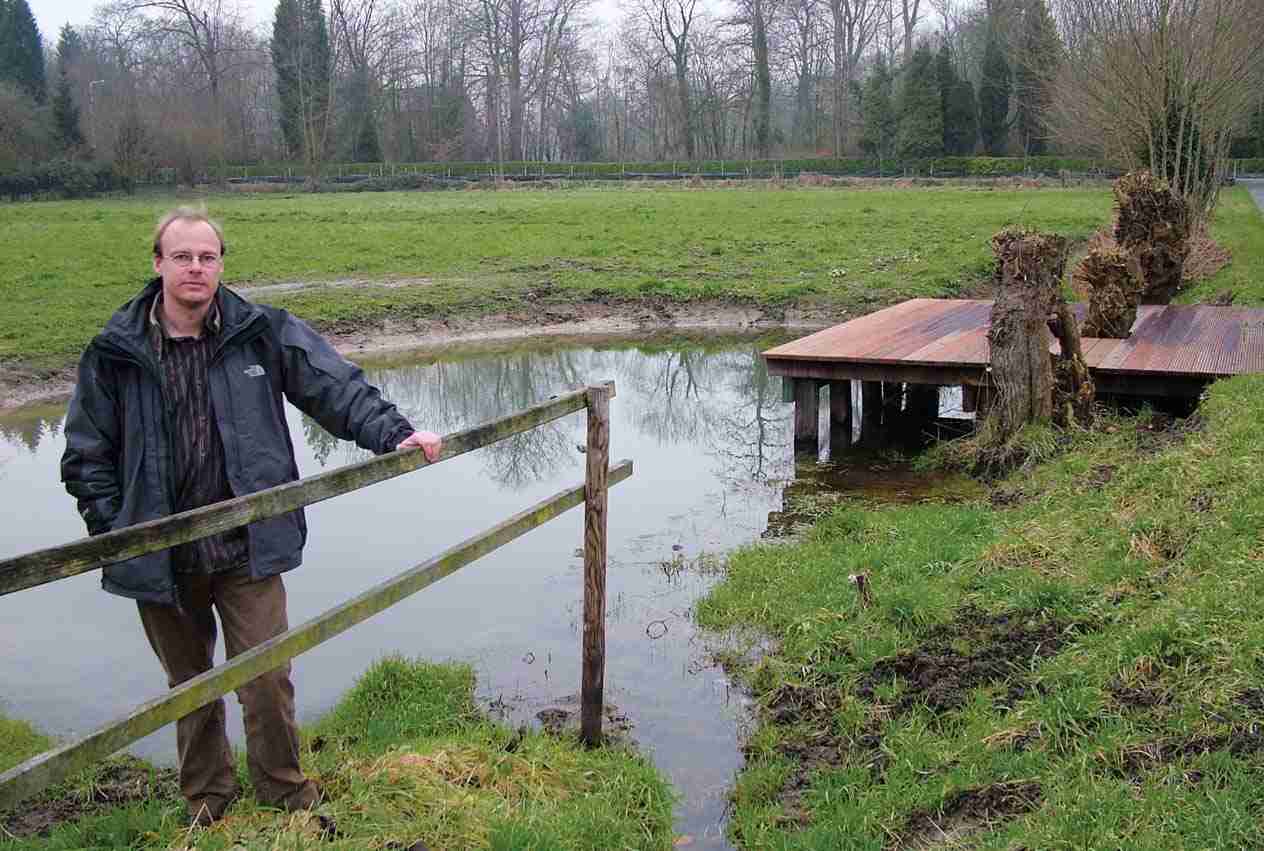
point(598, 317)
point(122, 780)
point(975, 650)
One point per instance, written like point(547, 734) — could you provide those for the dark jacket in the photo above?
point(118, 459)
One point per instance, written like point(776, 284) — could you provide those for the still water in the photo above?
point(711, 444)
point(710, 439)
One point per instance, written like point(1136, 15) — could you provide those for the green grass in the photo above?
point(404, 758)
point(1140, 550)
point(65, 266)
point(1239, 227)
point(19, 741)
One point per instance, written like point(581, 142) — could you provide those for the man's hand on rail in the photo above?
point(429, 442)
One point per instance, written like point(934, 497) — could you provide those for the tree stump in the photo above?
point(1028, 279)
point(1152, 225)
point(1113, 281)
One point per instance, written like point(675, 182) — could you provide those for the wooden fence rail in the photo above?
point(45, 769)
point(42, 566)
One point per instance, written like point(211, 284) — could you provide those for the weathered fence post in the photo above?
point(592, 687)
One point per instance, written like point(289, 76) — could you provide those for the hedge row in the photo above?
point(63, 178)
point(850, 166)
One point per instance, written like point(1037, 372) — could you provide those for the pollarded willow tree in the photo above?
point(1159, 84)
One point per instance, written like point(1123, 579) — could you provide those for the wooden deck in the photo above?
point(1174, 350)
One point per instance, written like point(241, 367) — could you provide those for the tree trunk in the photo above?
point(686, 109)
point(1028, 276)
point(763, 85)
point(1074, 390)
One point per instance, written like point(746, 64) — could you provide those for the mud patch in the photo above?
point(1163, 431)
point(818, 747)
point(1007, 497)
point(556, 721)
point(120, 781)
point(940, 674)
point(1143, 695)
point(25, 385)
point(974, 650)
point(965, 813)
point(1100, 476)
point(1240, 741)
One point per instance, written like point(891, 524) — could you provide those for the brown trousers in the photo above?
point(184, 639)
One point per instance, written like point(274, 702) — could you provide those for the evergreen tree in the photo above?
point(1256, 131)
point(22, 49)
point(921, 113)
point(962, 117)
point(300, 57)
point(1040, 54)
point(994, 95)
point(361, 121)
point(956, 98)
point(877, 106)
point(946, 79)
point(65, 111)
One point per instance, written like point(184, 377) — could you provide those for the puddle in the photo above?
point(711, 441)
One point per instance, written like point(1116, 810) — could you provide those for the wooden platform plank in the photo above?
point(926, 339)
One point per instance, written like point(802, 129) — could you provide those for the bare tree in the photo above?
point(756, 17)
point(802, 44)
point(669, 23)
point(855, 25)
point(910, 16)
point(208, 29)
point(1159, 84)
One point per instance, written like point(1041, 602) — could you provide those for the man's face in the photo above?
point(190, 264)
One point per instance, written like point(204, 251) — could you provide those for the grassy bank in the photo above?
point(1076, 663)
point(402, 759)
point(65, 266)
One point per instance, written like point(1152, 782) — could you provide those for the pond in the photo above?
point(710, 438)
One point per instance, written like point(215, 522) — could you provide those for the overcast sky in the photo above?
point(52, 14)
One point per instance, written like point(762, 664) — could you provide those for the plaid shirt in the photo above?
point(200, 477)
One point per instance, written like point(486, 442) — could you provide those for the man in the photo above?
point(179, 404)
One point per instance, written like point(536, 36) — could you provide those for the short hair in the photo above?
point(187, 214)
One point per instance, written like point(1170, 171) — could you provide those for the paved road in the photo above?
point(1256, 185)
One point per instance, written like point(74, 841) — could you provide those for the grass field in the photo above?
point(403, 758)
point(1077, 664)
point(65, 266)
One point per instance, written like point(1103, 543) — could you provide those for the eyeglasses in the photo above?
point(185, 258)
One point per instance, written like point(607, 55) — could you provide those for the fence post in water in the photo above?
point(592, 686)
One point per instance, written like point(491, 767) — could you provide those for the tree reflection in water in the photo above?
point(717, 395)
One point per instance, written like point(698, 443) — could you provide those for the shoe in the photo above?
point(204, 812)
point(305, 797)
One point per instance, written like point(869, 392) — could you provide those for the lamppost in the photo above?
point(92, 112)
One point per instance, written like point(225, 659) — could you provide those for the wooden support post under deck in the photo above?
point(923, 401)
point(840, 416)
point(892, 400)
point(969, 398)
point(870, 411)
point(807, 411)
point(592, 686)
